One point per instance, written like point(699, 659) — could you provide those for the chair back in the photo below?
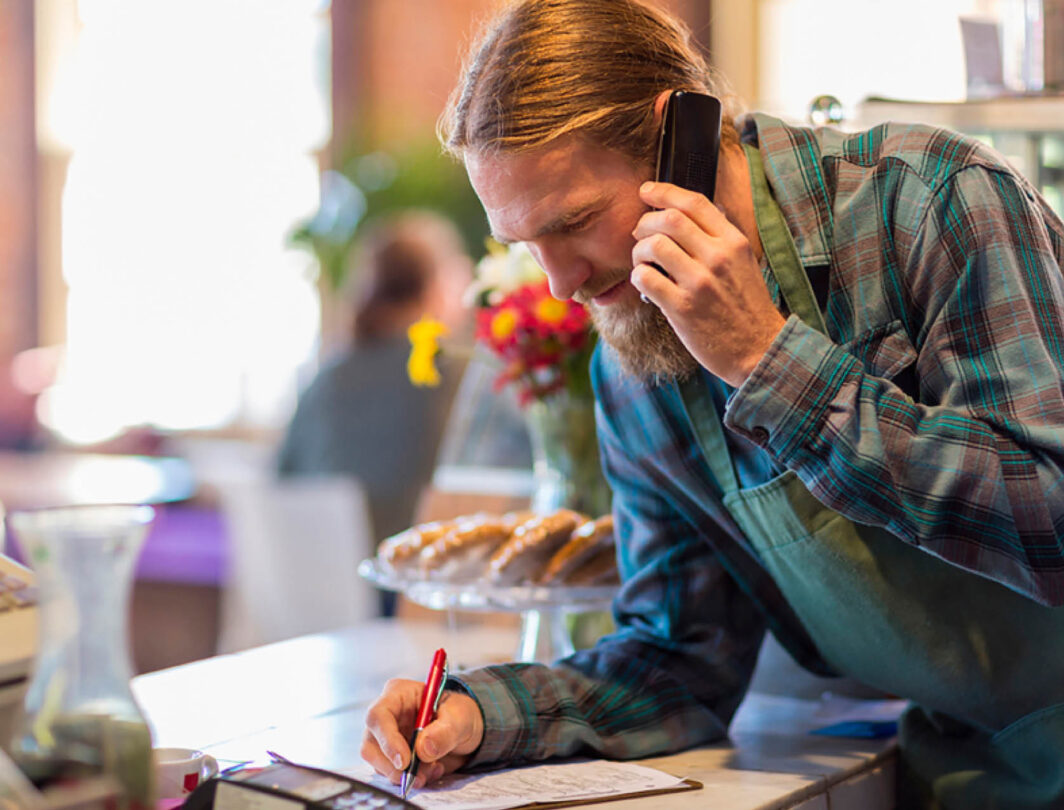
point(294, 549)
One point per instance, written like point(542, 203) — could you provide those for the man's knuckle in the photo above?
point(684, 304)
point(699, 205)
point(673, 219)
point(659, 242)
point(368, 749)
point(375, 716)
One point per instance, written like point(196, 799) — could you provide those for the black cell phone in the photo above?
point(690, 142)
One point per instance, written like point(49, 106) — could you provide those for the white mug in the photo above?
point(178, 771)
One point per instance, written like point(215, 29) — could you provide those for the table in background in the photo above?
point(179, 568)
point(306, 698)
point(31, 480)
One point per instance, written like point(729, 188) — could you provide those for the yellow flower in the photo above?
point(551, 310)
point(424, 338)
point(503, 324)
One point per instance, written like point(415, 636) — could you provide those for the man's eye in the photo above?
point(577, 224)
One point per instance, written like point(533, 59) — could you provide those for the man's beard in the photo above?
point(645, 342)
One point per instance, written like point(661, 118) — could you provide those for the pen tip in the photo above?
point(404, 785)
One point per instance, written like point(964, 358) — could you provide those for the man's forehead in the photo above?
point(526, 194)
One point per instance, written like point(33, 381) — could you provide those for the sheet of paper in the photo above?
point(550, 782)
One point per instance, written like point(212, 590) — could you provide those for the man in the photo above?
point(838, 418)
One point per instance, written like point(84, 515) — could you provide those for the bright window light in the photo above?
point(193, 127)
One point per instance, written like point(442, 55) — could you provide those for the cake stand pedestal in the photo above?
point(545, 635)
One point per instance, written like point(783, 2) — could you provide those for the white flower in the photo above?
point(502, 271)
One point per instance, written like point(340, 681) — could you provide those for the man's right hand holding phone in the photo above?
point(689, 260)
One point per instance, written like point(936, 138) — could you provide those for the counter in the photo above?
point(305, 698)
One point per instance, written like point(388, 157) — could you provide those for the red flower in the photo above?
point(541, 340)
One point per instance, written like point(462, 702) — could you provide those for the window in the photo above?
point(192, 127)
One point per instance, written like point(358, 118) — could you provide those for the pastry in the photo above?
point(459, 554)
point(586, 541)
point(600, 569)
point(530, 546)
point(516, 518)
point(400, 551)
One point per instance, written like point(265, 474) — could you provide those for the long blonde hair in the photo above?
point(543, 69)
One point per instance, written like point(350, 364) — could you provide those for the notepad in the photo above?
point(553, 784)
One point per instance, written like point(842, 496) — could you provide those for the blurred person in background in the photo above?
point(361, 415)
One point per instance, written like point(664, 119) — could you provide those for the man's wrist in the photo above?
point(502, 721)
point(765, 408)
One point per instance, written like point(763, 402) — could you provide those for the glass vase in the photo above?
point(80, 717)
point(565, 459)
point(567, 474)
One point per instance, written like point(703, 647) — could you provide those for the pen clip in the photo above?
point(439, 689)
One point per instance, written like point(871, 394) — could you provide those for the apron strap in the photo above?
point(786, 265)
point(702, 414)
point(783, 260)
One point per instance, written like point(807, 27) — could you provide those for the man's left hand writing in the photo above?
point(714, 295)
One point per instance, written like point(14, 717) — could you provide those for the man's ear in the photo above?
point(659, 105)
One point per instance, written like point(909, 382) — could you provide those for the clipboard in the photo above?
point(682, 787)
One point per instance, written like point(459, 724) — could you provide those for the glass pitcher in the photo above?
point(80, 715)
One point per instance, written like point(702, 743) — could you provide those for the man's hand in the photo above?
point(714, 296)
point(442, 746)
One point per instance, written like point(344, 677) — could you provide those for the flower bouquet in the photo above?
point(544, 344)
point(545, 347)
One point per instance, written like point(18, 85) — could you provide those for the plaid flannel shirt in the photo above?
point(934, 408)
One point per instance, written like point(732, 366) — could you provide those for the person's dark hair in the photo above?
point(397, 264)
point(546, 68)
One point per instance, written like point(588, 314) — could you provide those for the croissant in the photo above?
point(587, 540)
point(460, 553)
point(531, 545)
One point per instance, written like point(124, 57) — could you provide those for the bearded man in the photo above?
point(838, 417)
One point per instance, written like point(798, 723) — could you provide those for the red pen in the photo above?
point(430, 699)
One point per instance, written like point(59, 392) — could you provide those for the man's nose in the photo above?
point(566, 270)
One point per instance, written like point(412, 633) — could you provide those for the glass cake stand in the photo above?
point(545, 636)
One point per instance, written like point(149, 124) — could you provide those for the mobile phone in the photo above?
point(690, 142)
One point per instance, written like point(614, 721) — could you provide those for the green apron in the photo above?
point(983, 665)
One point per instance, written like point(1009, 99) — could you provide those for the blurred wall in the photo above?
point(395, 61)
point(18, 206)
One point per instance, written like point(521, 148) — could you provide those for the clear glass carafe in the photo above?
point(80, 716)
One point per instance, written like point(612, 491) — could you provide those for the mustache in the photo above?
point(611, 279)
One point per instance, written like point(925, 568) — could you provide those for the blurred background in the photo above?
point(183, 186)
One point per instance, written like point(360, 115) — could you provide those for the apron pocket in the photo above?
point(779, 513)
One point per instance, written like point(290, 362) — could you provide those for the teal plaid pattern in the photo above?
point(934, 408)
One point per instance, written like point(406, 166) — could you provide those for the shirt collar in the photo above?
point(795, 160)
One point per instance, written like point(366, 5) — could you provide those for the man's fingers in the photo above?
point(437, 740)
point(456, 730)
point(389, 722)
point(704, 213)
point(658, 249)
point(442, 746)
point(371, 752)
point(651, 283)
point(672, 222)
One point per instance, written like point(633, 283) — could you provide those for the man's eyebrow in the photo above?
point(559, 223)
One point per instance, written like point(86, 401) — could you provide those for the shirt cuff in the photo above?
point(783, 404)
point(504, 723)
